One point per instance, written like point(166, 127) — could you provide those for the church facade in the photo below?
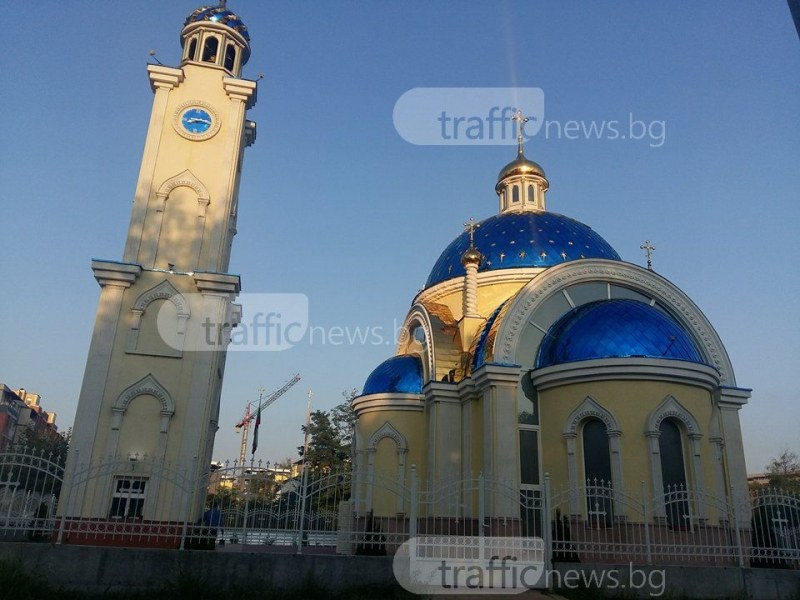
point(533, 353)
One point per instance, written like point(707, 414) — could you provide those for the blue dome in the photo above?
point(218, 14)
point(612, 329)
point(527, 239)
point(399, 374)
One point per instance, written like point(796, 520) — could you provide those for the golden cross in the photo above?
point(470, 226)
point(648, 248)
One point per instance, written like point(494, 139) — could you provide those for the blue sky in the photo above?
point(334, 204)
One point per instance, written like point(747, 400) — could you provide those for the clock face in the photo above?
point(196, 120)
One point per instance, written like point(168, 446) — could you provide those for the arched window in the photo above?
point(210, 50)
point(230, 57)
point(531, 197)
point(515, 194)
point(192, 53)
point(673, 474)
point(597, 470)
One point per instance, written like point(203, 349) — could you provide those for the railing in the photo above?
point(258, 507)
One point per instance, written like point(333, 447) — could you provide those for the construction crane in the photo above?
point(244, 424)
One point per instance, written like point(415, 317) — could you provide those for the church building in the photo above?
point(534, 351)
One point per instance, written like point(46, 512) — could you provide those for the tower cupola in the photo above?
point(214, 35)
point(521, 184)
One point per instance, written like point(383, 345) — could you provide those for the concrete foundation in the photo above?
point(103, 569)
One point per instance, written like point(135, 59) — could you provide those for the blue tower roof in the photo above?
point(524, 239)
point(218, 14)
point(399, 374)
point(615, 328)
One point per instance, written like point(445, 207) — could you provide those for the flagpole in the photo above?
point(258, 423)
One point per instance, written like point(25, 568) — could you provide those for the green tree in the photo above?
point(326, 451)
point(47, 443)
point(784, 471)
point(344, 418)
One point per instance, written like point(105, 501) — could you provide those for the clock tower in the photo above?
point(149, 403)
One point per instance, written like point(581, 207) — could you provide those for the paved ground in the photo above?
point(529, 595)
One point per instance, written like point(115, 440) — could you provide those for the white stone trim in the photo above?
point(146, 385)
point(184, 179)
point(420, 315)
point(388, 401)
point(537, 291)
point(670, 408)
point(627, 368)
point(591, 409)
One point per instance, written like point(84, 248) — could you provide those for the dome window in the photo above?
point(210, 50)
point(230, 57)
point(515, 197)
point(531, 197)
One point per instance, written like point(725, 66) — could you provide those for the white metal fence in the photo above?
point(259, 507)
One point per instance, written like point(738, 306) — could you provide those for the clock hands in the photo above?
point(198, 120)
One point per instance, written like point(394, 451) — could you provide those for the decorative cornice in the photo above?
point(626, 369)
point(165, 291)
point(164, 77)
point(220, 283)
point(118, 274)
point(493, 374)
point(441, 392)
point(732, 397)
point(388, 402)
point(671, 408)
point(590, 409)
point(387, 430)
point(146, 385)
point(663, 291)
point(243, 90)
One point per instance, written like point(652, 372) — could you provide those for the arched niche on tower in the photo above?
point(151, 419)
point(175, 224)
point(158, 322)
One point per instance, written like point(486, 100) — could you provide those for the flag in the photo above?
point(255, 431)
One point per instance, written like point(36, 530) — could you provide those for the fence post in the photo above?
point(246, 488)
point(735, 523)
point(412, 515)
point(302, 503)
point(481, 516)
point(68, 500)
point(190, 498)
point(546, 526)
point(646, 523)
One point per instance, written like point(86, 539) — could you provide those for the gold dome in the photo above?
point(471, 256)
point(520, 166)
